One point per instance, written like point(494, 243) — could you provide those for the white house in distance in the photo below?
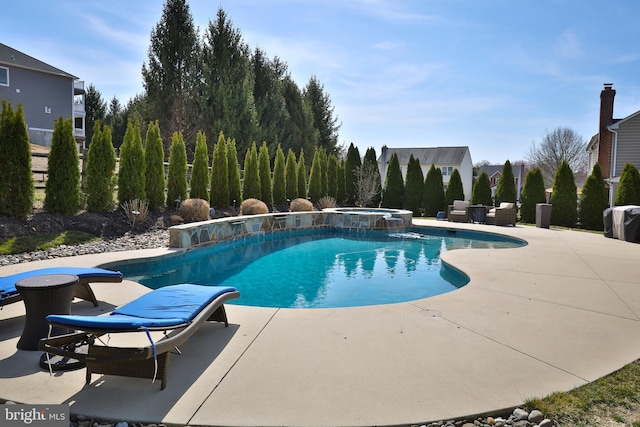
point(445, 158)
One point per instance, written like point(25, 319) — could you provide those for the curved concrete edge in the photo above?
point(551, 316)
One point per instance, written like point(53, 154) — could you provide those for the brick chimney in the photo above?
point(605, 136)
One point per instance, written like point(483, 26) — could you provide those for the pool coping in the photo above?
point(558, 313)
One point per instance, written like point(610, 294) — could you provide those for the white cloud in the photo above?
point(568, 45)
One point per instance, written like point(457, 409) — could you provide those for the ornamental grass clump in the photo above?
point(192, 210)
point(253, 207)
point(300, 205)
point(136, 211)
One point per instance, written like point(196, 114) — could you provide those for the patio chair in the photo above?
point(177, 310)
point(86, 275)
point(505, 214)
point(459, 211)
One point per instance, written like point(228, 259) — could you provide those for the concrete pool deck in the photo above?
point(551, 316)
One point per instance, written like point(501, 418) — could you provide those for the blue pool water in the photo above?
point(330, 268)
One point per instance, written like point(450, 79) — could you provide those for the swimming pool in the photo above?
point(323, 267)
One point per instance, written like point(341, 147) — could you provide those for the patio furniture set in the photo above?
point(462, 211)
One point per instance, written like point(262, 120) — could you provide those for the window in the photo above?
point(447, 170)
point(4, 76)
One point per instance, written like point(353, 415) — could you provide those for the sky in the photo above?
point(493, 75)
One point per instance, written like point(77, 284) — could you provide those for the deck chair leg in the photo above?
point(220, 315)
point(84, 291)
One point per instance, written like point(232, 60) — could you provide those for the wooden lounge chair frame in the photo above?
point(149, 362)
point(86, 275)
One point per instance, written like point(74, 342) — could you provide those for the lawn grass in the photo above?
point(43, 242)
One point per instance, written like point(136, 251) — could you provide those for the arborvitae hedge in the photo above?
point(332, 176)
point(593, 201)
point(235, 189)
point(100, 170)
point(629, 188)
point(154, 170)
point(264, 166)
point(199, 184)
point(533, 192)
point(315, 177)
point(177, 176)
point(291, 176)
point(433, 192)
point(302, 176)
point(564, 197)
point(341, 190)
point(62, 193)
point(371, 159)
point(481, 193)
point(251, 188)
point(414, 187)
point(16, 179)
point(352, 163)
point(220, 174)
point(455, 191)
point(506, 191)
point(393, 194)
point(279, 178)
point(131, 174)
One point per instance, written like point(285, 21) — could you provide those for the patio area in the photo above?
point(551, 316)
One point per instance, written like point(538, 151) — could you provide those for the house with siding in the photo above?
point(45, 92)
point(445, 158)
point(495, 172)
point(616, 143)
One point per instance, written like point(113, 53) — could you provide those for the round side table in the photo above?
point(44, 295)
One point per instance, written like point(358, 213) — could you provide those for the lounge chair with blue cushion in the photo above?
point(9, 294)
point(178, 310)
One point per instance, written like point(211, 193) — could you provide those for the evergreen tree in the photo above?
point(433, 192)
point(95, 110)
point(506, 191)
point(564, 198)
point(199, 188)
point(371, 159)
point(454, 191)
point(533, 192)
point(315, 176)
point(340, 182)
point(299, 133)
point(481, 194)
point(62, 193)
point(291, 176)
point(324, 175)
point(264, 167)
point(251, 188)
point(393, 193)
point(220, 174)
point(629, 187)
point(279, 178)
point(235, 189)
point(323, 115)
point(116, 121)
point(414, 187)
point(352, 163)
point(302, 176)
point(16, 181)
point(131, 175)
point(100, 169)
point(177, 176)
point(332, 176)
point(154, 167)
point(593, 201)
point(172, 73)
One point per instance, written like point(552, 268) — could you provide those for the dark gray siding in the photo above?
point(628, 144)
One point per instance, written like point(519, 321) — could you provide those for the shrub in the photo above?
point(194, 210)
point(220, 174)
point(199, 188)
point(101, 164)
point(351, 165)
point(414, 187)
point(251, 184)
point(235, 190)
point(301, 172)
point(564, 197)
point(371, 160)
point(253, 207)
point(291, 176)
point(177, 177)
point(593, 201)
point(455, 191)
point(279, 178)
point(533, 192)
point(393, 194)
point(481, 194)
point(62, 192)
point(433, 192)
point(315, 176)
point(264, 168)
point(131, 175)
point(154, 170)
point(506, 191)
point(341, 190)
point(300, 205)
point(332, 175)
point(16, 187)
point(629, 188)
point(327, 202)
